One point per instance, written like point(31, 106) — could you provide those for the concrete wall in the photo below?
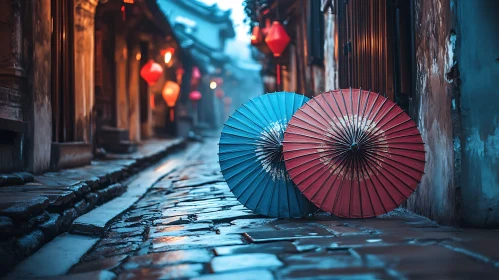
point(478, 58)
point(436, 196)
point(40, 113)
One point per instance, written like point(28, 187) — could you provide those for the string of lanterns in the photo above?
point(152, 72)
point(275, 37)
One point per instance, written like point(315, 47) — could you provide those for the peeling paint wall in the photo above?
point(478, 58)
point(436, 196)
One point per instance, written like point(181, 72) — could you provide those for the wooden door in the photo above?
point(105, 95)
point(376, 38)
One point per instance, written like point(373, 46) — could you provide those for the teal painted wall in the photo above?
point(478, 60)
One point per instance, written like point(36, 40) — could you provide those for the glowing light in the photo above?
point(213, 85)
point(138, 56)
point(168, 54)
point(129, 1)
point(168, 57)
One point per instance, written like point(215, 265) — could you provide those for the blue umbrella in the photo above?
point(251, 160)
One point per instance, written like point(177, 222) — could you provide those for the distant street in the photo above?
point(189, 225)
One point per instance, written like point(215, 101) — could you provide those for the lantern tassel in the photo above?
point(123, 12)
point(172, 114)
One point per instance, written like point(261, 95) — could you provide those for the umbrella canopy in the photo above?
point(250, 155)
point(354, 153)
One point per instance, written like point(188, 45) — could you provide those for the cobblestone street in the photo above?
point(189, 225)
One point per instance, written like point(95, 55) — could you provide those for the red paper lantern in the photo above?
point(227, 101)
point(277, 39)
point(151, 72)
point(219, 93)
point(196, 74)
point(256, 35)
point(195, 96)
point(170, 93)
point(179, 73)
point(219, 81)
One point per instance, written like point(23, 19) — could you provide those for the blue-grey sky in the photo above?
point(239, 46)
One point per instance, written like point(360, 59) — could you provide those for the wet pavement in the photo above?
point(190, 226)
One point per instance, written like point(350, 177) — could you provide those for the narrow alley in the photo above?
point(189, 225)
point(249, 139)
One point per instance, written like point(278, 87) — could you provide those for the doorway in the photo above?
point(376, 40)
point(62, 71)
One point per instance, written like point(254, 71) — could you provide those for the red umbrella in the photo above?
point(354, 153)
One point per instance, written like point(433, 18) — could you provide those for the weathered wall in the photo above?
point(436, 195)
point(40, 113)
point(478, 58)
point(84, 19)
point(13, 94)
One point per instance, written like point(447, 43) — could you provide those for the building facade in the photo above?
point(204, 30)
point(70, 79)
point(422, 55)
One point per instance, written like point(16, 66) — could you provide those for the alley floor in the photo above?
point(190, 226)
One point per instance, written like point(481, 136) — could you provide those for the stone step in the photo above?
point(112, 134)
point(55, 258)
point(70, 154)
point(96, 221)
point(17, 178)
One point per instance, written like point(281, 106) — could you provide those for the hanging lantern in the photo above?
point(227, 101)
point(256, 35)
point(219, 81)
point(151, 72)
point(277, 39)
point(170, 94)
point(179, 73)
point(195, 96)
point(195, 73)
point(219, 93)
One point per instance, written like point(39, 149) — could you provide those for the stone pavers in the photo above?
point(35, 209)
point(189, 226)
